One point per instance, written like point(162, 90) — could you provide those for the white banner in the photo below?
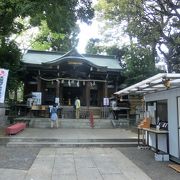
point(3, 82)
point(105, 101)
point(37, 96)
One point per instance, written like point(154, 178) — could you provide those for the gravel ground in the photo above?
point(17, 158)
point(144, 159)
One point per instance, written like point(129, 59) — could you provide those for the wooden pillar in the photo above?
point(100, 90)
point(61, 93)
point(39, 84)
point(83, 102)
point(116, 86)
point(105, 89)
point(87, 93)
point(57, 88)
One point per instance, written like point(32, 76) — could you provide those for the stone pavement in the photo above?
point(78, 164)
point(77, 133)
point(39, 137)
point(85, 163)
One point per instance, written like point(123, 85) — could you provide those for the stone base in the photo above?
point(161, 157)
point(3, 118)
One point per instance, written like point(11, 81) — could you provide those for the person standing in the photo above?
point(77, 106)
point(54, 116)
point(114, 109)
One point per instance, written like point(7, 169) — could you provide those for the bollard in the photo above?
point(91, 119)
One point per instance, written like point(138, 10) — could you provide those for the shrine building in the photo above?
point(66, 76)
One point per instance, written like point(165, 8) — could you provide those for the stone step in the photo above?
point(120, 123)
point(24, 139)
point(57, 142)
point(71, 144)
point(71, 123)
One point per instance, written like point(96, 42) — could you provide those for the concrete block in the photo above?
point(161, 157)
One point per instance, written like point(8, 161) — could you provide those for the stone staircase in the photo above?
point(121, 123)
point(71, 123)
point(71, 133)
point(69, 143)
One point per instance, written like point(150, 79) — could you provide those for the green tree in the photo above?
point(135, 60)
point(48, 40)
point(9, 59)
point(138, 63)
point(93, 46)
point(153, 23)
point(60, 15)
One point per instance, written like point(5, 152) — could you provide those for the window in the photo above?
point(157, 111)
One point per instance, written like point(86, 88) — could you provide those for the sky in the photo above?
point(95, 31)
point(86, 32)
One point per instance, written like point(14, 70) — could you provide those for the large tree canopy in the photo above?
point(138, 63)
point(60, 17)
point(154, 23)
point(9, 59)
point(48, 40)
point(135, 60)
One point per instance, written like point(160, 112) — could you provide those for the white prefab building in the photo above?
point(162, 98)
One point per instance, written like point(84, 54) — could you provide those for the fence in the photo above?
point(98, 112)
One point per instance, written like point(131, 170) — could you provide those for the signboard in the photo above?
point(105, 101)
point(37, 96)
point(57, 100)
point(3, 82)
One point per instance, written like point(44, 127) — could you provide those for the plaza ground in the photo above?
point(81, 163)
point(105, 163)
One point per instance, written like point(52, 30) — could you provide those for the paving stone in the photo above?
point(89, 174)
point(39, 174)
point(64, 165)
point(9, 174)
point(64, 177)
point(84, 162)
point(108, 167)
point(65, 170)
point(47, 151)
point(114, 177)
point(64, 151)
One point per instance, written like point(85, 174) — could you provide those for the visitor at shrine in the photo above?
point(114, 109)
point(77, 107)
point(54, 116)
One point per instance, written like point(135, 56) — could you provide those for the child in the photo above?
point(54, 116)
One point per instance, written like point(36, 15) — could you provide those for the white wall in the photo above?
point(171, 96)
point(162, 143)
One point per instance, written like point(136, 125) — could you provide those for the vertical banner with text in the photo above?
point(3, 82)
point(105, 101)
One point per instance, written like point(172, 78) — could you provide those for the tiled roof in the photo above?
point(47, 57)
point(39, 57)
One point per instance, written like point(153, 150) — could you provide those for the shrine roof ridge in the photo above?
point(37, 57)
point(63, 53)
point(45, 52)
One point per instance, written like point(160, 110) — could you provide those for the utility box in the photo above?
point(161, 157)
